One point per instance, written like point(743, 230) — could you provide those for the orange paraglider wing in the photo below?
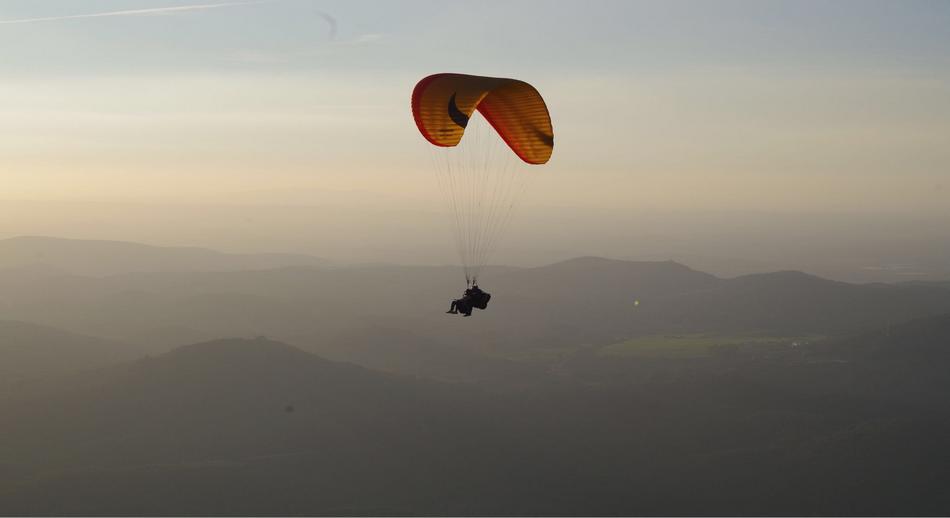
point(443, 103)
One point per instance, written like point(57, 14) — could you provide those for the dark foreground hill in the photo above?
point(185, 433)
point(255, 427)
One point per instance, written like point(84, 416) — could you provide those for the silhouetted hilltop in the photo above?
point(239, 353)
point(252, 368)
point(255, 396)
point(97, 257)
point(259, 372)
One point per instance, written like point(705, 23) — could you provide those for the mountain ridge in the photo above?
point(32, 351)
point(99, 257)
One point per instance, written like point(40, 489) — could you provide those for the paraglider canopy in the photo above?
point(442, 105)
point(481, 181)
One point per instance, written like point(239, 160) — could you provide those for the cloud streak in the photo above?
point(134, 12)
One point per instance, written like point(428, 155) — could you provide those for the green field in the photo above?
point(691, 345)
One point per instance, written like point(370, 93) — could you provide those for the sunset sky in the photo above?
point(785, 105)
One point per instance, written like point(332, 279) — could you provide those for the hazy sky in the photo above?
point(742, 105)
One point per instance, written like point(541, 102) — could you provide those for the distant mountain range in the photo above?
point(392, 317)
point(99, 258)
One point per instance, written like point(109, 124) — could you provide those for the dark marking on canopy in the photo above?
point(456, 114)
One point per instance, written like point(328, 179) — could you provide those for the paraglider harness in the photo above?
point(474, 297)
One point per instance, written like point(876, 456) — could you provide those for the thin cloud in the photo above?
point(331, 23)
point(264, 57)
point(137, 12)
point(362, 39)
